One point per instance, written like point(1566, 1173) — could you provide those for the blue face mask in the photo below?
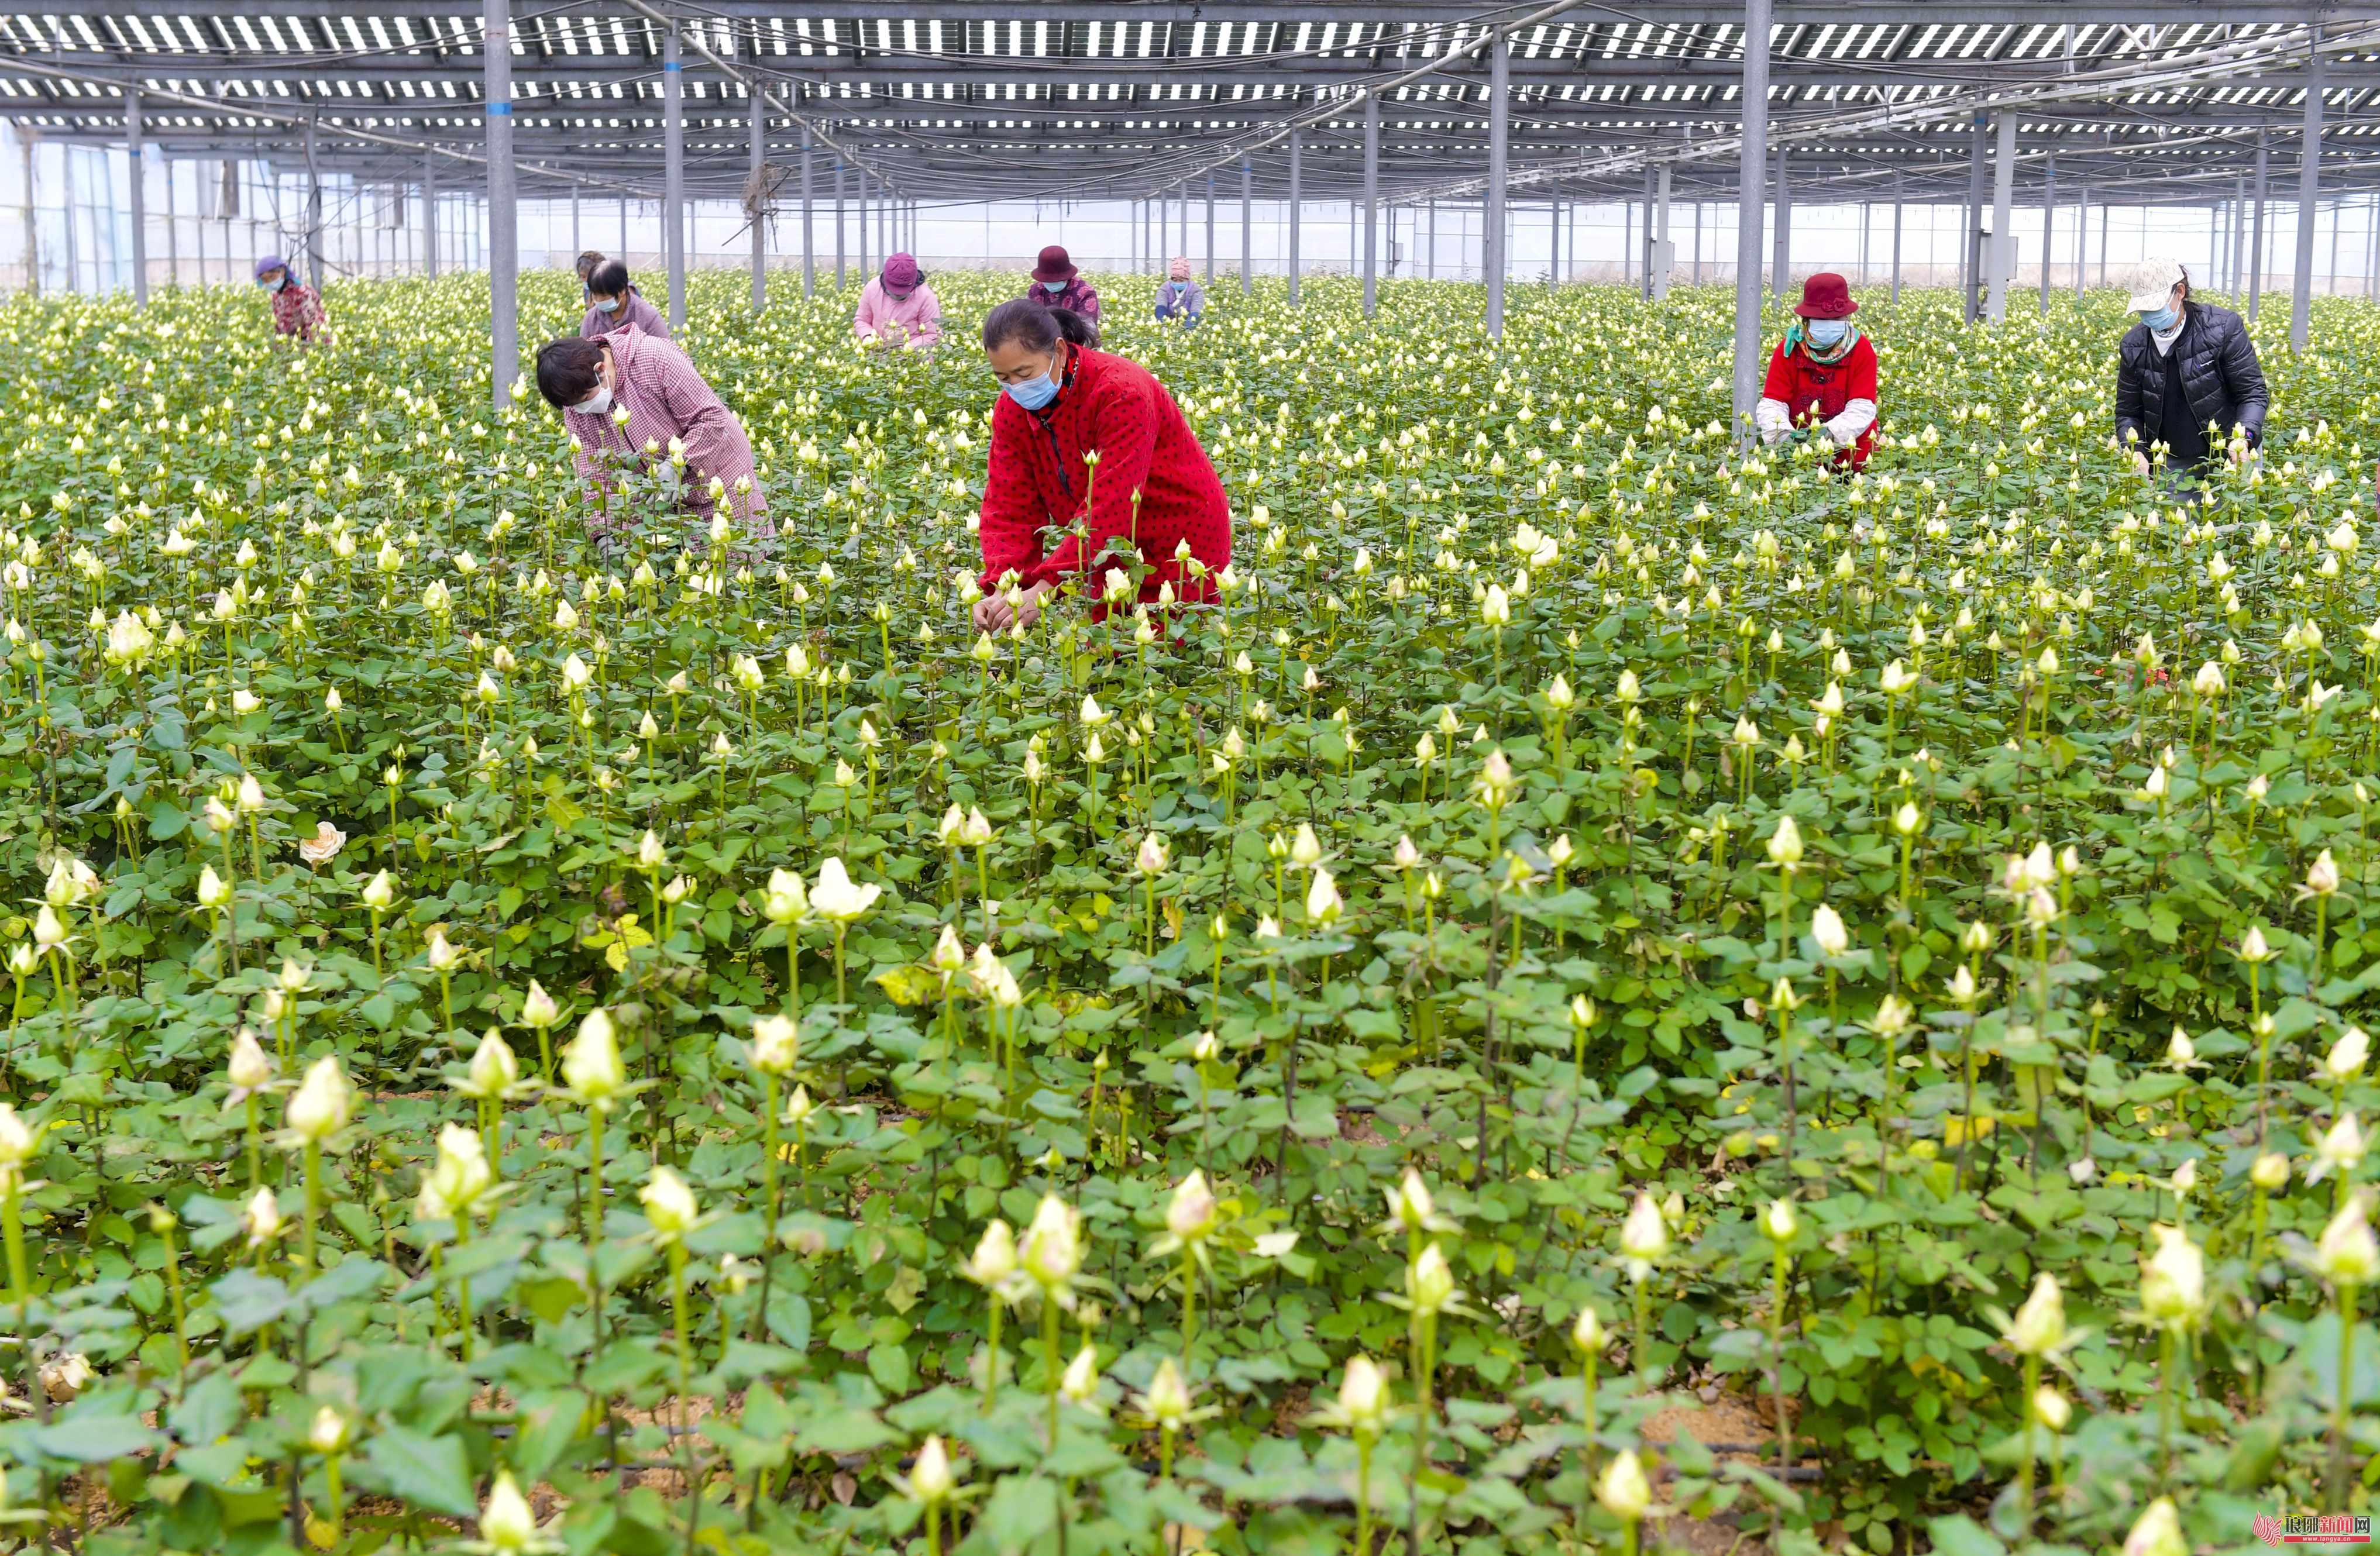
point(607, 305)
point(1053, 285)
point(2161, 321)
point(1823, 332)
point(1035, 392)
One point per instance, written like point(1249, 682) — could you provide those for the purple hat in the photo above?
point(901, 274)
point(1054, 265)
point(270, 262)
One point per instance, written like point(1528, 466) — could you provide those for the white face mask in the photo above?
point(607, 305)
point(596, 404)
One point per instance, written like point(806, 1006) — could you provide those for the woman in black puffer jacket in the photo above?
point(2186, 375)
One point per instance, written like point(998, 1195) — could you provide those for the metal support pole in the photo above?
point(2049, 225)
point(2240, 236)
point(1371, 204)
point(838, 224)
point(174, 230)
point(2309, 192)
point(1645, 277)
point(760, 228)
point(2371, 248)
point(1782, 261)
point(1430, 261)
point(674, 174)
point(314, 206)
point(1663, 250)
point(2000, 262)
point(139, 202)
point(1749, 176)
point(809, 245)
point(1248, 239)
point(503, 255)
point(1492, 216)
point(1211, 229)
point(1297, 147)
point(1897, 203)
point(33, 241)
point(1971, 263)
point(2255, 242)
point(429, 215)
point(2081, 237)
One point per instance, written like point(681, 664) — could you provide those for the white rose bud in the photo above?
point(669, 1205)
point(321, 1108)
point(1191, 1214)
point(1623, 1492)
point(2039, 1327)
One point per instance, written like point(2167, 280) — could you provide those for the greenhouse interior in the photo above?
point(1186, 607)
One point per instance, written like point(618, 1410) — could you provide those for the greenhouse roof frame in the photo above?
point(1059, 100)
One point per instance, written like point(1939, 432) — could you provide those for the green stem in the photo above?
point(2342, 1406)
point(991, 1356)
point(2032, 1386)
point(1050, 1357)
point(313, 1200)
point(594, 1179)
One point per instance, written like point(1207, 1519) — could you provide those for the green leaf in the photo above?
point(429, 1472)
point(1962, 1535)
point(909, 985)
point(248, 1301)
point(88, 1438)
point(847, 1431)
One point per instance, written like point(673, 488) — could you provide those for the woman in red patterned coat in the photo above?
point(1091, 461)
point(297, 307)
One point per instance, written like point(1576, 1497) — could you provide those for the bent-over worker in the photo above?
point(1049, 512)
point(635, 402)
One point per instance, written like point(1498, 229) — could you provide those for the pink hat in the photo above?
point(1178, 270)
point(901, 274)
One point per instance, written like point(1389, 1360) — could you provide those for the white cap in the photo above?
point(2151, 283)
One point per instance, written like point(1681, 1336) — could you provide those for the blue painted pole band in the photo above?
point(499, 108)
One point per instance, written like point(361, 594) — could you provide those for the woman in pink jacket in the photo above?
point(635, 405)
point(898, 309)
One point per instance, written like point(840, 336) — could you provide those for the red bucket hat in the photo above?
point(1054, 265)
point(1826, 296)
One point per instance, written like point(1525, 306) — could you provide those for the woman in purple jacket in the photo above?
point(1057, 284)
point(613, 303)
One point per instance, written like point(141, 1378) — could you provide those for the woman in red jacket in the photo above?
point(1822, 379)
point(1091, 462)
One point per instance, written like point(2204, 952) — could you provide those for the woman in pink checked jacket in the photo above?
point(625, 398)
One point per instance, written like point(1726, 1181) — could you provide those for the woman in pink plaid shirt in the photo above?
point(297, 307)
point(630, 400)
